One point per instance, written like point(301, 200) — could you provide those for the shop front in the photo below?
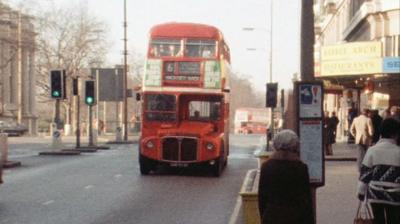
point(356, 76)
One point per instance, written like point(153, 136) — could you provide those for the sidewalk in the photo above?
point(343, 152)
point(30, 146)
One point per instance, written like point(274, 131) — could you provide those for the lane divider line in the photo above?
point(48, 202)
point(89, 187)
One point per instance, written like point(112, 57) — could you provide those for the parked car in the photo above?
point(12, 129)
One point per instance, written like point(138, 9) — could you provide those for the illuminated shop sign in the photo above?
point(351, 51)
point(351, 67)
point(391, 65)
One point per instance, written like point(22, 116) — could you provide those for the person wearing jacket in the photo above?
point(362, 130)
point(380, 175)
point(284, 192)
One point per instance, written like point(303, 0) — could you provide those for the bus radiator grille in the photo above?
point(179, 149)
point(171, 149)
point(188, 149)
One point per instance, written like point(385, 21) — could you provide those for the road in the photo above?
point(106, 187)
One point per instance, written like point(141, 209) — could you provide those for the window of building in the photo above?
point(355, 5)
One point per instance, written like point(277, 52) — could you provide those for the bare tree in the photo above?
point(243, 95)
point(70, 39)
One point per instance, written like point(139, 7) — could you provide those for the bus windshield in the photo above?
point(160, 107)
point(204, 110)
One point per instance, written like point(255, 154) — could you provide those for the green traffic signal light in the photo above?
point(56, 94)
point(89, 100)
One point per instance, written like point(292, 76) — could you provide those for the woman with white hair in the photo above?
point(284, 193)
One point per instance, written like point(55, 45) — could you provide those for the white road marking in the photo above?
point(89, 187)
point(241, 156)
point(236, 211)
point(48, 202)
point(117, 175)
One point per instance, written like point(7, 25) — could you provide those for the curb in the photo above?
point(81, 149)
point(340, 159)
point(121, 142)
point(67, 152)
point(11, 164)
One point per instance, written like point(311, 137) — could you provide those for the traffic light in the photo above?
point(272, 95)
point(57, 84)
point(90, 99)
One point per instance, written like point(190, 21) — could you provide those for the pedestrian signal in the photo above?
point(272, 95)
point(90, 93)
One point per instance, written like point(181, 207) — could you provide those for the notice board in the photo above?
point(309, 98)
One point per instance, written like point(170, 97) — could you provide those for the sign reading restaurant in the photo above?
point(352, 67)
point(356, 58)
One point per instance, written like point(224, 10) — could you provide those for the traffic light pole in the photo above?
point(78, 128)
point(56, 135)
point(90, 126)
point(57, 114)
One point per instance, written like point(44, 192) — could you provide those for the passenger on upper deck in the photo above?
point(154, 51)
point(174, 51)
point(207, 52)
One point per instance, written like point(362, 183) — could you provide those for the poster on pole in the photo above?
point(311, 149)
point(310, 100)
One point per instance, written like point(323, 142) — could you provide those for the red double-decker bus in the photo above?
point(185, 98)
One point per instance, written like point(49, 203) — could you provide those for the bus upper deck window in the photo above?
point(165, 47)
point(200, 48)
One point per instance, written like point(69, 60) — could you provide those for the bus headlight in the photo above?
point(210, 146)
point(150, 144)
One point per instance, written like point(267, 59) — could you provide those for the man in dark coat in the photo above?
point(284, 193)
point(376, 123)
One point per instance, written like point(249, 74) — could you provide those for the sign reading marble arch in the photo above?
point(354, 58)
point(349, 51)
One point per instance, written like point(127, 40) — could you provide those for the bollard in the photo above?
point(95, 134)
point(56, 138)
point(118, 134)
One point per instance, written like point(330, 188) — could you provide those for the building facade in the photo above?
point(357, 51)
point(17, 69)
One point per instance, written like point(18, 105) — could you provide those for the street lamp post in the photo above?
point(270, 72)
point(271, 129)
point(125, 79)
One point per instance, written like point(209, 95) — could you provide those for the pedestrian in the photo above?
point(362, 130)
point(352, 113)
point(380, 175)
point(284, 192)
point(334, 121)
point(332, 128)
point(327, 134)
point(376, 123)
point(395, 113)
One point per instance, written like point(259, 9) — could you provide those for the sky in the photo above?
point(230, 16)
